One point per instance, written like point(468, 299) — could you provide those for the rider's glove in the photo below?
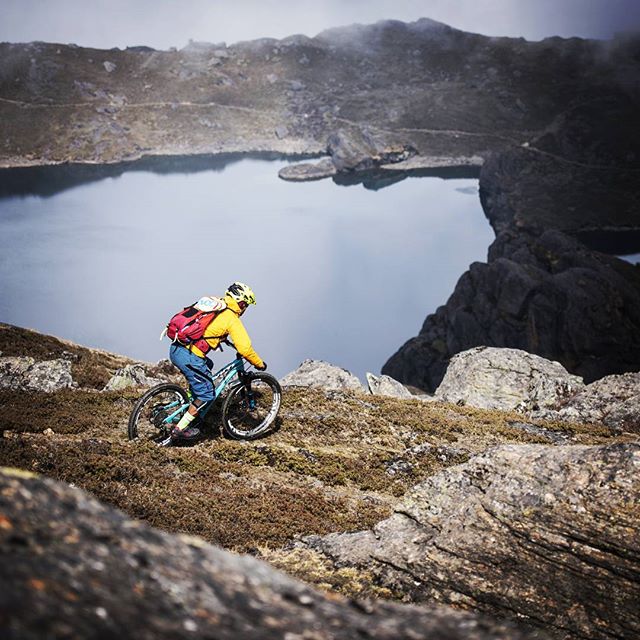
point(263, 367)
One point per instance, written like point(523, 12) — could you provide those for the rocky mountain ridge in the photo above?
point(444, 92)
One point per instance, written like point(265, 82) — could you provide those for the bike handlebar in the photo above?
point(233, 346)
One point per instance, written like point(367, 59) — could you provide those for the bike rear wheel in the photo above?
point(251, 407)
point(148, 420)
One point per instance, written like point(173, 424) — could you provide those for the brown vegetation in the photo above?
point(337, 462)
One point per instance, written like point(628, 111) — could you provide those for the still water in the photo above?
point(343, 274)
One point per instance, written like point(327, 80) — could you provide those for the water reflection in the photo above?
point(344, 274)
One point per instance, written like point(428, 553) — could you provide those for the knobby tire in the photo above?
point(146, 418)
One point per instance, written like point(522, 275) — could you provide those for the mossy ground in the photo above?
point(316, 569)
point(337, 462)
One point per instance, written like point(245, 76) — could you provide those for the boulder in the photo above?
point(131, 375)
point(386, 386)
point(361, 149)
point(506, 379)
point(25, 374)
point(79, 569)
point(547, 535)
point(613, 401)
point(322, 375)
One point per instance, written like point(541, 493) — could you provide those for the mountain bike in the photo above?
point(249, 409)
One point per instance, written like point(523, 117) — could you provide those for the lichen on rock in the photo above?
point(26, 374)
point(506, 379)
point(320, 374)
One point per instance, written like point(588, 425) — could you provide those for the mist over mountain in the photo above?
point(162, 25)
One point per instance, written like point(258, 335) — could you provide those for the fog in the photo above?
point(163, 24)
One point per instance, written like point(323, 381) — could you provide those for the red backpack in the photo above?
point(187, 326)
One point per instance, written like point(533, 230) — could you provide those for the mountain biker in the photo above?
point(192, 362)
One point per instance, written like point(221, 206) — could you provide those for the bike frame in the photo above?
point(227, 373)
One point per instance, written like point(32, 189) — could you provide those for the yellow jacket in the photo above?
point(228, 324)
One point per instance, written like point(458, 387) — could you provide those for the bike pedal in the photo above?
point(165, 443)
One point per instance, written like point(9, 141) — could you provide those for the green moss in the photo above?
point(313, 568)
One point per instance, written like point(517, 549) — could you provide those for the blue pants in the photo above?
point(195, 370)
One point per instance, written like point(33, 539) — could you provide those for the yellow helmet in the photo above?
point(241, 292)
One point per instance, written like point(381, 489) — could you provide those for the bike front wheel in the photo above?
point(251, 407)
point(156, 412)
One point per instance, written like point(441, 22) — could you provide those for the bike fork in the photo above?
point(249, 397)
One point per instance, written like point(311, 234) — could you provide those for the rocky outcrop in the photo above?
point(26, 374)
point(613, 401)
point(506, 379)
point(548, 535)
point(542, 292)
point(352, 151)
point(78, 569)
point(386, 386)
point(360, 150)
point(514, 380)
point(322, 375)
point(39, 361)
point(131, 375)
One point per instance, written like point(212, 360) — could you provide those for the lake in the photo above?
point(341, 273)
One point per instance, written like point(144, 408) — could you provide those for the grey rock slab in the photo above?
point(506, 379)
point(613, 401)
point(25, 374)
point(131, 375)
point(548, 535)
point(322, 375)
point(387, 386)
point(80, 569)
point(13, 370)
